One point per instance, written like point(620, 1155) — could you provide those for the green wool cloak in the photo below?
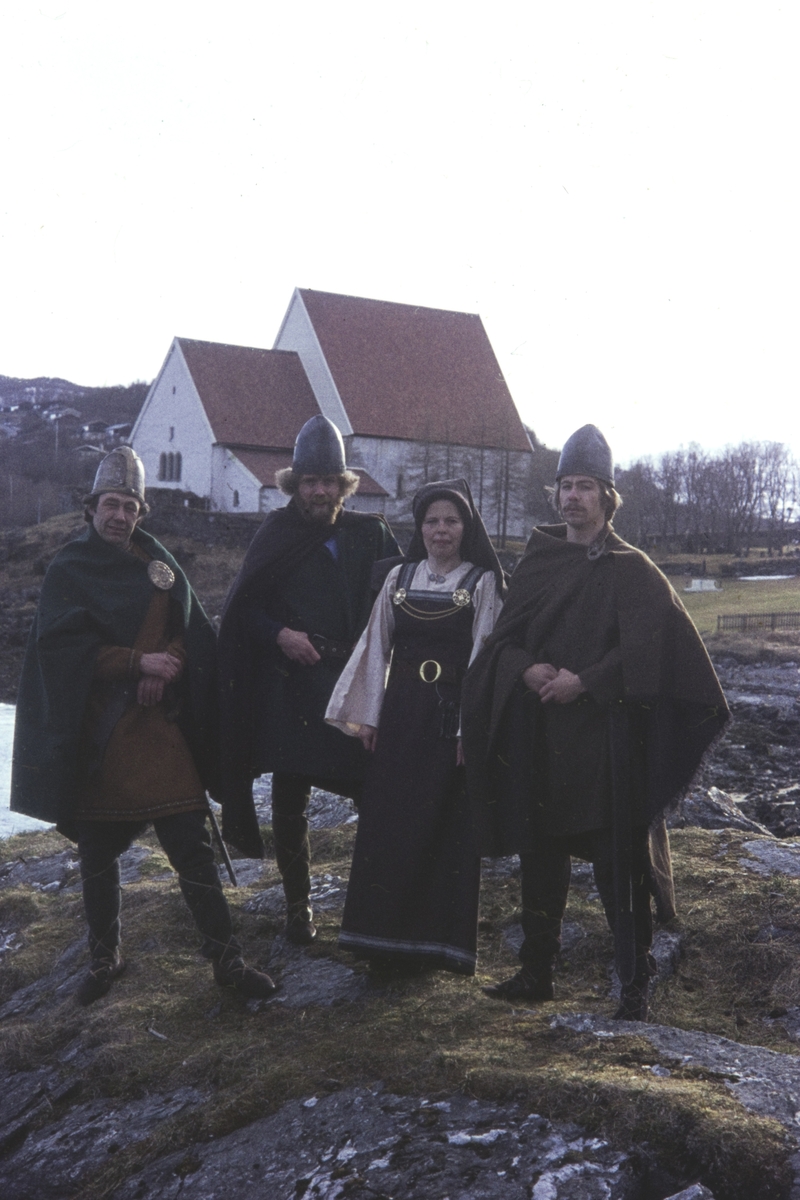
point(96, 594)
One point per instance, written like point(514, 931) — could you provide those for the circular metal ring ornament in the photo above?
point(160, 575)
point(461, 597)
point(399, 596)
point(430, 662)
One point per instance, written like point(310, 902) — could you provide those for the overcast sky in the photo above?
point(613, 187)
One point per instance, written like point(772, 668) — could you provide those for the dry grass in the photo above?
point(756, 647)
point(762, 596)
point(437, 1033)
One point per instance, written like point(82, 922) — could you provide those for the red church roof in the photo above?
point(421, 374)
point(251, 397)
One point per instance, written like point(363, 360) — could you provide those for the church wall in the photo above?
point(233, 487)
point(173, 421)
point(402, 467)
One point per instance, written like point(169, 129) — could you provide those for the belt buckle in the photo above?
point(430, 662)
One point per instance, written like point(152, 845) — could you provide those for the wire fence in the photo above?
point(747, 621)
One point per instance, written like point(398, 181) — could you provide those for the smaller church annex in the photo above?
point(416, 392)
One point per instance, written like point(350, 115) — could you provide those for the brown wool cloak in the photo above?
point(653, 688)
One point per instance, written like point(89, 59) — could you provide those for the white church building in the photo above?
point(416, 392)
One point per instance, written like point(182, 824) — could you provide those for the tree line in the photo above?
point(697, 502)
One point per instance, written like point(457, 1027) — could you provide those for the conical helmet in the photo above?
point(319, 449)
point(587, 452)
point(120, 471)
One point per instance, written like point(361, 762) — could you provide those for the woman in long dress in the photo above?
point(414, 883)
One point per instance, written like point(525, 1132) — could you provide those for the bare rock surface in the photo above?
point(60, 982)
point(711, 808)
point(765, 1082)
point(325, 810)
point(327, 893)
point(772, 858)
point(305, 979)
point(62, 871)
point(757, 762)
point(365, 1143)
point(54, 1157)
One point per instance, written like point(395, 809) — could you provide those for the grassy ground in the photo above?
point(435, 1033)
point(737, 596)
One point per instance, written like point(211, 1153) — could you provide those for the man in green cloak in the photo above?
point(585, 716)
point(116, 722)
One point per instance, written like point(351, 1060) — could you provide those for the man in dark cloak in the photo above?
point(117, 722)
point(301, 599)
point(584, 718)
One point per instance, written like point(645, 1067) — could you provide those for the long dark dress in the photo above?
point(415, 878)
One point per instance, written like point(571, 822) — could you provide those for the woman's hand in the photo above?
point(538, 675)
point(368, 736)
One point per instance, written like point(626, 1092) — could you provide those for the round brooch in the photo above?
point(160, 575)
point(461, 597)
point(399, 596)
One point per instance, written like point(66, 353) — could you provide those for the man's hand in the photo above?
point(163, 666)
point(368, 736)
point(538, 675)
point(150, 690)
point(296, 646)
point(562, 689)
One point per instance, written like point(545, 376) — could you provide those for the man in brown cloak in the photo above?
point(586, 715)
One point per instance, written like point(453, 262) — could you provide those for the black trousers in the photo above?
point(545, 885)
point(187, 844)
point(290, 796)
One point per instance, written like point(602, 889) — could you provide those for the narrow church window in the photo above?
point(173, 391)
point(172, 433)
point(235, 499)
point(178, 466)
point(399, 485)
point(162, 467)
point(170, 466)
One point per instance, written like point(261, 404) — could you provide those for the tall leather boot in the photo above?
point(186, 840)
point(99, 847)
point(290, 796)
point(634, 999)
point(545, 886)
point(633, 1005)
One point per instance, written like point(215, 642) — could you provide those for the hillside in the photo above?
point(52, 436)
point(351, 1084)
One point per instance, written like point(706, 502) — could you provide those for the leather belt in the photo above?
point(429, 670)
point(327, 648)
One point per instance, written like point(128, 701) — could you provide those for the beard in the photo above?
point(321, 512)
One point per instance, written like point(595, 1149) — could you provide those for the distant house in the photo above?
point(116, 434)
point(417, 393)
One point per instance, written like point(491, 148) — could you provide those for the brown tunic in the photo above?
point(147, 769)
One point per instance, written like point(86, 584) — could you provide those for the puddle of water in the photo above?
point(11, 823)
